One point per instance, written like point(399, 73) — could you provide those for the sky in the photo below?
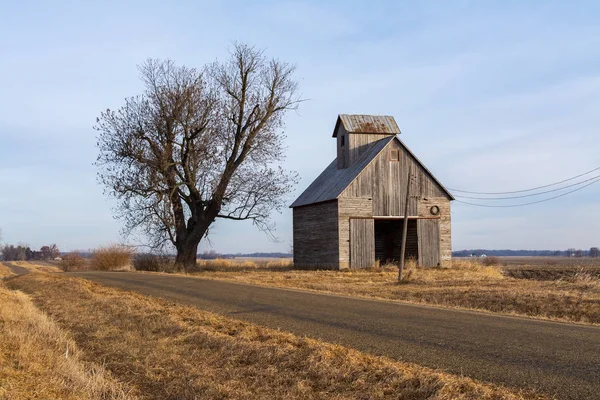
point(490, 95)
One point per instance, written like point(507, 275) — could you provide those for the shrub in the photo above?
point(72, 262)
point(153, 262)
point(490, 261)
point(111, 258)
point(223, 264)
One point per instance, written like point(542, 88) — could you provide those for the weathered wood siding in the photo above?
point(316, 236)
point(347, 208)
point(333, 181)
point(385, 182)
point(343, 152)
point(336, 217)
point(362, 243)
point(359, 144)
point(428, 231)
point(444, 221)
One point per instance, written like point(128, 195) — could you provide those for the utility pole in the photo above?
point(405, 225)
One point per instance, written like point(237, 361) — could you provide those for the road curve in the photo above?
point(558, 359)
point(15, 269)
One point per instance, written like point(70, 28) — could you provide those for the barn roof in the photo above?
point(332, 181)
point(353, 123)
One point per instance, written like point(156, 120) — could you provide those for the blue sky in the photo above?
point(491, 96)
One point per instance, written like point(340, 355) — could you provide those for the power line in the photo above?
point(528, 204)
point(529, 195)
point(526, 190)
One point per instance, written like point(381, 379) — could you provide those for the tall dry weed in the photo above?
point(73, 262)
point(237, 265)
point(585, 278)
point(40, 361)
point(154, 263)
point(111, 258)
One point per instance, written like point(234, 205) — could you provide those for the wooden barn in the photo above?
point(353, 213)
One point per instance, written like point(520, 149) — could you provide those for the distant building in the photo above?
point(353, 213)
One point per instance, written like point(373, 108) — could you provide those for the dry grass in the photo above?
point(154, 263)
point(220, 264)
point(490, 261)
point(73, 262)
point(39, 361)
point(38, 266)
point(169, 351)
point(111, 258)
point(467, 284)
point(4, 271)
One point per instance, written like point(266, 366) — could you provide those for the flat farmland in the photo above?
point(547, 262)
point(568, 292)
point(550, 268)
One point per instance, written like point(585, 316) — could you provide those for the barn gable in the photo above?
point(384, 179)
point(334, 182)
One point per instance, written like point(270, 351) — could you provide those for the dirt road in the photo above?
point(558, 359)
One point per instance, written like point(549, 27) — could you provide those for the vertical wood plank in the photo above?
point(362, 243)
point(429, 242)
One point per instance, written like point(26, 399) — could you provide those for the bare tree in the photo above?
point(54, 251)
point(49, 252)
point(199, 145)
point(15, 253)
point(45, 252)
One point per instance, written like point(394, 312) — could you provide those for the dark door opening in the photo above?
point(388, 240)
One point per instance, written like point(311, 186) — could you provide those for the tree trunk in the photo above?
point(186, 255)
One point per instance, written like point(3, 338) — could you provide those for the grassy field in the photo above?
point(4, 271)
point(38, 360)
point(40, 266)
point(573, 297)
point(168, 351)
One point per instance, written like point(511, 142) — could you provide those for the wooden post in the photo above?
point(405, 225)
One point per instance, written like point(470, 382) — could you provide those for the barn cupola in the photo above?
point(354, 133)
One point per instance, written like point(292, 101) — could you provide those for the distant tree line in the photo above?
point(11, 252)
point(571, 252)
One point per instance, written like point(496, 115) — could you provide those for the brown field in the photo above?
point(4, 271)
point(548, 262)
point(572, 296)
point(168, 351)
point(38, 360)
